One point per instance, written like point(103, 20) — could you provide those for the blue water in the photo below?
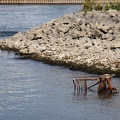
point(16, 18)
point(32, 90)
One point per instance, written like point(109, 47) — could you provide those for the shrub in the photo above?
point(112, 6)
point(89, 5)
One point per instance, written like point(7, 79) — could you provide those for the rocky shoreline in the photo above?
point(89, 42)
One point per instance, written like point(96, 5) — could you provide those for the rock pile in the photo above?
point(89, 42)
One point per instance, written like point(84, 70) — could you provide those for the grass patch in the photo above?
point(90, 5)
point(112, 6)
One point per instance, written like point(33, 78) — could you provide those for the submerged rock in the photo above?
point(88, 42)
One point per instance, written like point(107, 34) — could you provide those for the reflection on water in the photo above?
point(32, 90)
point(9, 33)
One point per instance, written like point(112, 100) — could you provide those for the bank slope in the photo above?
point(88, 42)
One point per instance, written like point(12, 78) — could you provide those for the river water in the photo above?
point(32, 90)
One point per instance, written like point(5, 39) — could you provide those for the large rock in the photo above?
point(89, 42)
point(115, 45)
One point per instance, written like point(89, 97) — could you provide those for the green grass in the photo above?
point(89, 5)
point(112, 6)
